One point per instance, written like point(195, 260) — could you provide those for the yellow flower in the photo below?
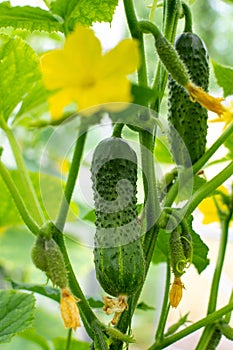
point(208, 206)
point(227, 117)
point(82, 74)
point(69, 309)
point(207, 101)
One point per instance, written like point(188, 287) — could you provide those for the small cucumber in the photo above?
point(188, 120)
point(47, 256)
point(118, 252)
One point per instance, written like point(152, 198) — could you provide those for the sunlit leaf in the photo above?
point(50, 292)
point(19, 69)
point(26, 17)
point(49, 190)
point(85, 12)
point(16, 313)
point(224, 76)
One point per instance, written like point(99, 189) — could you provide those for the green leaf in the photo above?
point(64, 8)
point(33, 101)
point(16, 313)
point(224, 76)
point(161, 251)
point(85, 12)
point(26, 17)
point(49, 191)
point(31, 335)
point(60, 344)
point(143, 306)
point(46, 291)
point(162, 151)
point(142, 95)
point(200, 249)
point(19, 69)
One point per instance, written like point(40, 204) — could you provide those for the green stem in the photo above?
point(199, 164)
point(170, 25)
point(165, 307)
point(227, 318)
point(211, 318)
point(28, 188)
point(117, 130)
point(68, 340)
point(208, 188)
point(188, 17)
point(73, 173)
point(208, 331)
point(28, 220)
point(219, 266)
point(86, 312)
point(137, 34)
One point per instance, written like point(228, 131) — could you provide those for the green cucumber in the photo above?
point(47, 256)
point(188, 120)
point(118, 251)
point(177, 255)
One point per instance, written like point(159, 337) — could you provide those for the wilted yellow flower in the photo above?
point(208, 206)
point(82, 74)
point(116, 306)
point(197, 94)
point(69, 309)
point(176, 292)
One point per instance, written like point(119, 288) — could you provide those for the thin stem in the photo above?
point(86, 312)
point(165, 307)
point(117, 130)
point(28, 220)
point(208, 331)
point(68, 340)
point(211, 318)
point(28, 188)
point(227, 318)
point(137, 34)
point(73, 173)
point(208, 188)
point(188, 17)
point(219, 266)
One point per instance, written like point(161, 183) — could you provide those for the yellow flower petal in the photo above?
point(83, 75)
point(208, 207)
point(207, 101)
point(122, 60)
point(227, 117)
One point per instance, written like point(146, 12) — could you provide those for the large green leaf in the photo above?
point(26, 17)
point(224, 76)
point(84, 11)
point(16, 313)
point(19, 69)
point(49, 190)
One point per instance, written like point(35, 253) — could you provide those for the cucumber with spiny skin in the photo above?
point(177, 254)
point(118, 251)
point(47, 256)
point(188, 120)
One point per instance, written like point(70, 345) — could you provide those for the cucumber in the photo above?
point(47, 256)
point(188, 120)
point(118, 250)
point(177, 255)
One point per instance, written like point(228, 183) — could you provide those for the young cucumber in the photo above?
point(188, 120)
point(118, 252)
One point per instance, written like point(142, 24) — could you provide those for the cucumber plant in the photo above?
point(135, 225)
